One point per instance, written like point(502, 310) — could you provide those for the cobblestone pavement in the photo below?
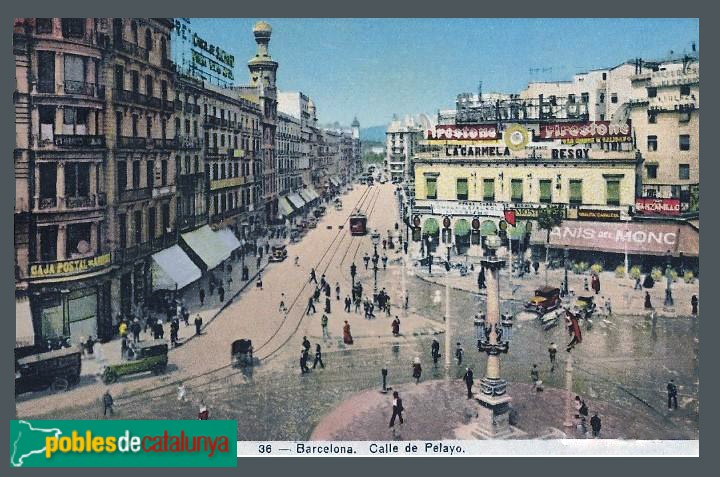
point(624, 360)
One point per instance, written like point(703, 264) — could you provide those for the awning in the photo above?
point(313, 193)
point(430, 227)
point(306, 196)
point(639, 238)
point(334, 181)
point(24, 331)
point(462, 228)
point(488, 227)
point(517, 232)
point(229, 239)
point(296, 201)
point(207, 245)
point(284, 208)
point(172, 269)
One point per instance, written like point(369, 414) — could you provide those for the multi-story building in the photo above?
point(665, 114)
point(288, 154)
point(299, 105)
point(401, 141)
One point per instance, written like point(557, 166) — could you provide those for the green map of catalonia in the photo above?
point(29, 441)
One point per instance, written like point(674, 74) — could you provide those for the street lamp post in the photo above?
point(429, 255)
point(493, 337)
point(375, 237)
point(566, 254)
point(668, 278)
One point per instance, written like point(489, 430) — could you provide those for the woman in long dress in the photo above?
point(347, 337)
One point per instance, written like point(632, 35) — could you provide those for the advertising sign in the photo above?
point(69, 267)
point(598, 214)
point(653, 206)
point(645, 239)
point(587, 132)
point(473, 132)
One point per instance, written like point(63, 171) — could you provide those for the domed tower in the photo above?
point(262, 67)
point(355, 128)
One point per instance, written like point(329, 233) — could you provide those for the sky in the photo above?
point(374, 68)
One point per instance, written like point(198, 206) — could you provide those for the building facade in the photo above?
point(288, 154)
point(401, 142)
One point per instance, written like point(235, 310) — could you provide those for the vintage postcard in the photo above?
point(370, 237)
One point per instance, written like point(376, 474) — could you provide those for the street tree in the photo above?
point(549, 218)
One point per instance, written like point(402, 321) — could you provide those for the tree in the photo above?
point(548, 219)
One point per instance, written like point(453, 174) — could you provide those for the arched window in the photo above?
point(148, 40)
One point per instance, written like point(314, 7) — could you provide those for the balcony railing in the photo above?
point(46, 87)
point(138, 251)
point(165, 143)
point(77, 202)
point(79, 87)
point(186, 222)
point(153, 102)
point(171, 106)
point(167, 64)
point(133, 195)
point(47, 202)
point(132, 49)
point(131, 142)
point(189, 142)
point(211, 121)
point(79, 140)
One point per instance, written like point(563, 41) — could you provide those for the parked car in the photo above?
point(312, 223)
point(149, 356)
point(278, 253)
point(546, 299)
point(294, 235)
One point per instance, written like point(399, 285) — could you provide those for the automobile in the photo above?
point(322, 209)
point(294, 235)
point(349, 187)
point(312, 223)
point(149, 356)
point(57, 369)
point(546, 299)
point(338, 205)
point(241, 353)
point(585, 306)
point(278, 253)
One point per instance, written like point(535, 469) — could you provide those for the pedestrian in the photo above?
point(297, 261)
point(324, 325)
point(407, 298)
point(186, 316)
point(405, 248)
point(468, 378)
point(384, 261)
point(672, 395)
point(245, 273)
point(366, 259)
point(107, 401)
point(306, 343)
point(481, 279)
point(303, 361)
point(123, 329)
point(318, 357)
point(312, 276)
point(459, 353)
point(90, 346)
point(258, 282)
point(435, 350)
point(596, 283)
point(586, 287)
point(174, 328)
point(347, 337)
point(135, 329)
point(211, 284)
point(358, 301)
point(198, 323)
point(535, 378)
point(310, 306)
point(536, 266)
point(397, 409)
point(384, 244)
point(386, 302)
point(221, 293)
point(573, 325)
point(694, 304)
point(229, 281)
point(267, 248)
point(258, 260)
point(203, 414)
point(337, 291)
point(123, 347)
point(202, 296)
point(596, 425)
point(648, 305)
point(417, 370)
point(348, 302)
point(396, 326)
point(608, 307)
point(181, 392)
point(323, 283)
point(327, 305)
point(283, 308)
point(552, 351)
point(316, 295)
point(638, 286)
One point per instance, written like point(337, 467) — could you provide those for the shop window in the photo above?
point(684, 142)
point(82, 312)
point(516, 190)
point(612, 188)
point(651, 171)
point(684, 171)
point(431, 188)
point(576, 191)
point(48, 243)
point(78, 240)
point(462, 189)
point(545, 191)
point(652, 143)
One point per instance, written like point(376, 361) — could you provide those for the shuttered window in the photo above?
point(545, 191)
point(576, 191)
point(462, 189)
point(489, 189)
point(431, 187)
point(516, 188)
point(613, 192)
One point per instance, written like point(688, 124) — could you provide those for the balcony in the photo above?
point(132, 49)
point(47, 203)
point(79, 87)
point(79, 202)
point(167, 64)
point(170, 106)
point(228, 182)
point(79, 140)
point(165, 143)
point(133, 195)
point(178, 105)
point(216, 218)
point(162, 191)
point(186, 222)
point(46, 87)
point(125, 142)
point(189, 142)
point(191, 108)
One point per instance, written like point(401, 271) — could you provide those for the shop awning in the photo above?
point(334, 181)
point(207, 245)
point(517, 232)
point(172, 268)
point(313, 193)
point(24, 331)
point(639, 238)
point(296, 201)
point(229, 239)
point(488, 227)
point(430, 227)
point(284, 208)
point(462, 228)
point(306, 196)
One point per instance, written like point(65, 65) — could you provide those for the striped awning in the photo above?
point(296, 201)
point(306, 196)
point(313, 193)
point(172, 269)
point(207, 245)
point(284, 207)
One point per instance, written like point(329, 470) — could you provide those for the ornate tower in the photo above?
point(262, 67)
point(355, 128)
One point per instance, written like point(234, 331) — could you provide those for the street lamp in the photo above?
point(566, 254)
point(668, 278)
point(429, 255)
point(375, 237)
point(448, 248)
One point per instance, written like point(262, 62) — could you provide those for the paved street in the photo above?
point(622, 364)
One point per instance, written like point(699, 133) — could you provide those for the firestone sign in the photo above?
point(475, 132)
point(587, 132)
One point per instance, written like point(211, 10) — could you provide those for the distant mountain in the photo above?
point(373, 133)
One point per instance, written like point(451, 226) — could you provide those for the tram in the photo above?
point(358, 224)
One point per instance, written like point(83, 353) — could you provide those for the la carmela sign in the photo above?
point(616, 237)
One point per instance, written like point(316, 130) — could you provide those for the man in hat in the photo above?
point(397, 409)
point(107, 401)
point(468, 378)
point(459, 353)
point(435, 350)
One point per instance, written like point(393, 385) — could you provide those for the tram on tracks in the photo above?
point(358, 224)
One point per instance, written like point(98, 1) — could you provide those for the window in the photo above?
point(77, 179)
point(134, 30)
point(197, 164)
point(652, 117)
point(164, 177)
point(612, 189)
point(684, 117)
point(148, 85)
point(148, 40)
point(75, 74)
point(48, 180)
point(122, 220)
point(571, 98)
point(545, 191)
point(47, 123)
point(604, 76)
point(75, 120)
point(117, 31)
point(150, 174)
point(135, 81)
point(462, 189)
point(602, 98)
point(685, 90)
point(195, 128)
point(516, 190)
point(119, 77)
point(46, 72)
point(431, 188)
point(43, 25)
point(48, 243)
point(585, 97)
point(135, 120)
point(78, 239)
point(166, 218)
point(613, 98)
point(222, 171)
point(122, 175)
point(651, 171)
point(152, 226)
point(163, 48)
point(576, 191)
point(684, 171)
point(163, 128)
point(148, 127)
point(652, 92)
point(137, 225)
point(602, 117)
point(136, 174)
point(652, 143)
point(684, 142)
point(187, 165)
point(164, 90)
point(73, 27)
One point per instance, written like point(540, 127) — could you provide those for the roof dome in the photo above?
point(262, 27)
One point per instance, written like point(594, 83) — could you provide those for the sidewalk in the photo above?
point(623, 298)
